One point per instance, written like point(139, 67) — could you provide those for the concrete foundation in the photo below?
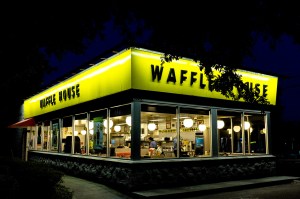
point(159, 173)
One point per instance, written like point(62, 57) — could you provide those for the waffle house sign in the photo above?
point(139, 69)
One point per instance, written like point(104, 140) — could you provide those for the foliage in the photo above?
point(227, 81)
point(32, 180)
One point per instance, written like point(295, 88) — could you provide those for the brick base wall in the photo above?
point(148, 174)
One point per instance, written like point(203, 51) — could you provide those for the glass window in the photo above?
point(67, 136)
point(55, 135)
point(195, 139)
point(166, 131)
point(98, 133)
point(229, 133)
point(46, 136)
point(255, 132)
point(237, 133)
point(80, 133)
point(158, 123)
point(39, 137)
point(33, 136)
point(120, 129)
point(30, 137)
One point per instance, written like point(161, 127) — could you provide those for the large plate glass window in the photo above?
point(39, 137)
point(55, 129)
point(255, 132)
point(67, 136)
point(98, 133)
point(46, 135)
point(80, 132)
point(195, 134)
point(229, 133)
point(120, 131)
point(158, 123)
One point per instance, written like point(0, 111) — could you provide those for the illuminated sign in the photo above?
point(193, 77)
point(64, 95)
point(139, 69)
point(184, 77)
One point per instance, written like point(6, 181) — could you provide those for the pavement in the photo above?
point(91, 190)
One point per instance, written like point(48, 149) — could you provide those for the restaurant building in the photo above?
point(97, 124)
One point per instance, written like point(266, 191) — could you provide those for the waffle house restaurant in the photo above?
point(97, 124)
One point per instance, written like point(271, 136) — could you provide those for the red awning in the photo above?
point(23, 124)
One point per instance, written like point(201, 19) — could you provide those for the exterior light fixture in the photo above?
point(92, 131)
point(75, 133)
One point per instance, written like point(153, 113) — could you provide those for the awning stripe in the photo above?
point(23, 124)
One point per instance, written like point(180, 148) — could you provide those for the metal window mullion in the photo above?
point(214, 133)
point(73, 135)
point(243, 133)
point(267, 132)
point(178, 126)
point(135, 130)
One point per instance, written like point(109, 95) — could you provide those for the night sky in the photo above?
point(283, 61)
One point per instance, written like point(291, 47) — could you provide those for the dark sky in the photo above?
point(283, 60)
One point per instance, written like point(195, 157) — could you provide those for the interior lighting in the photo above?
point(151, 126)
point(202, 127)
point(229, 131)
point(236, 129)
point(188, 123)
point(111, 123)
point(91, 124)
point(128, 120)
point(247, 125)
point(117, 128)
point(83, 132)
point(220, 124)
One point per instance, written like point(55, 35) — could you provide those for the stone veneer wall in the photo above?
point(147, 174)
